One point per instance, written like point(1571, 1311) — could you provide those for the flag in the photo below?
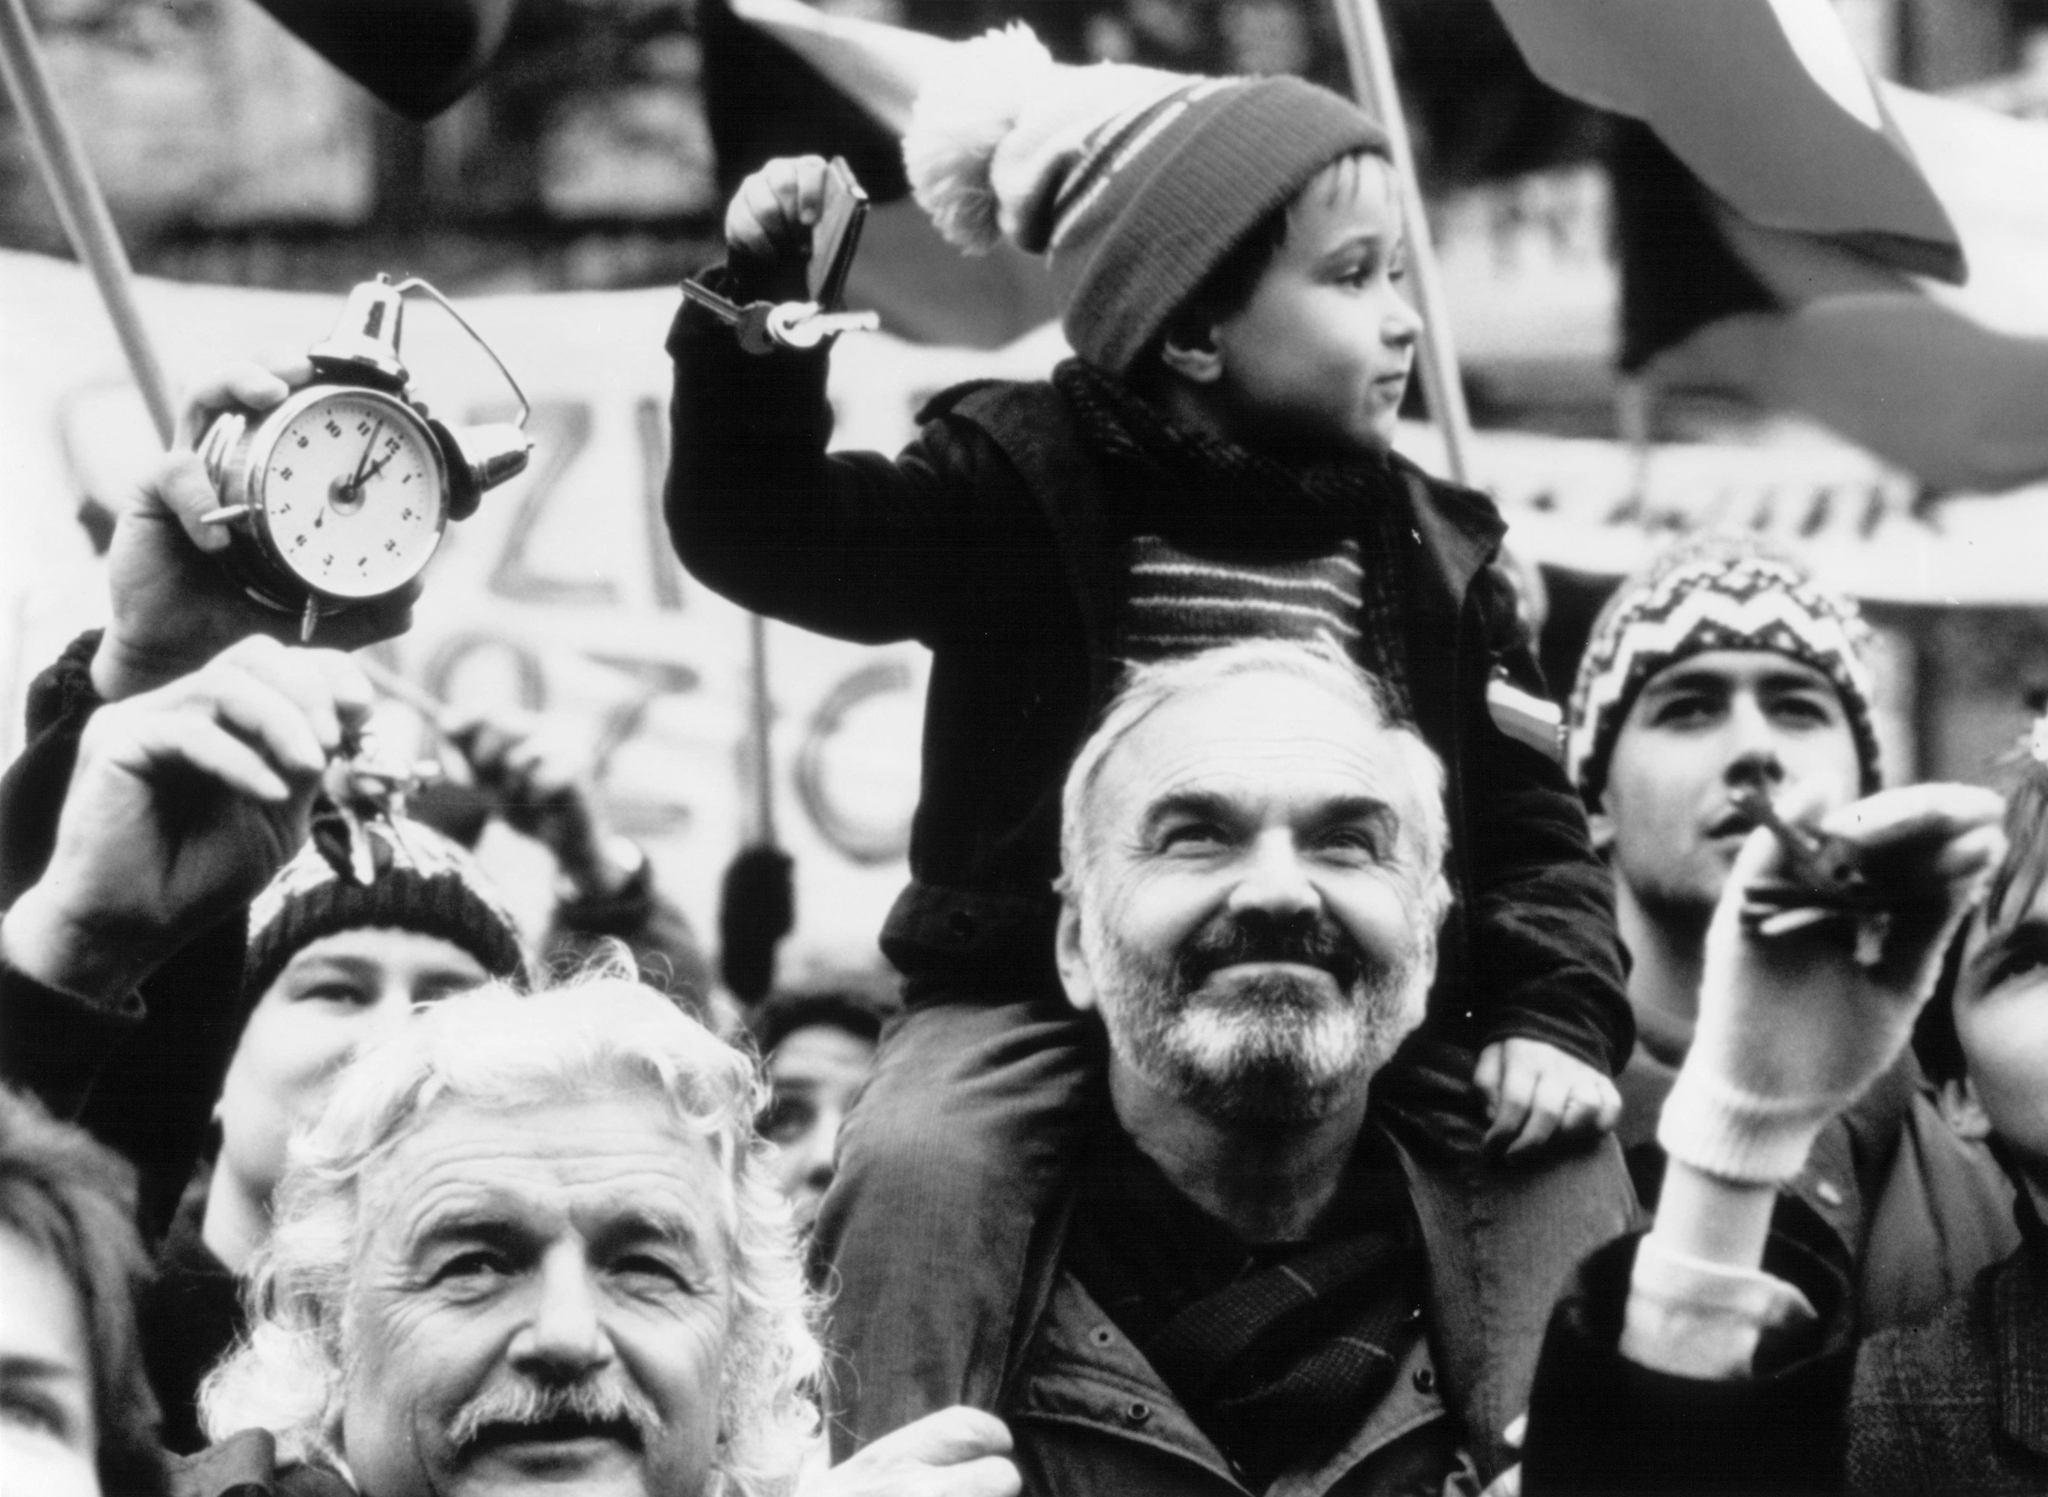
point(1949, 383)
point(1764, 101)
point(418, 56)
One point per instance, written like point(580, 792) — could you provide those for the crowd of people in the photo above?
point(1306, 1075)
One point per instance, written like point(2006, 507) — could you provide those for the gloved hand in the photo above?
point(1792, 1027)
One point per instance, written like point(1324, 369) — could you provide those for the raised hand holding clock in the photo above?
point(302, 536)
point(265, 530)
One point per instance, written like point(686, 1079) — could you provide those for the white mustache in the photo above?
point(597, 1402)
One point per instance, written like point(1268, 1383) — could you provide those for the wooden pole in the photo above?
point(80, 206)
point(761, 716)
point(1372, 77)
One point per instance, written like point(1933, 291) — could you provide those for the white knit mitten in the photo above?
point(1793, 1027)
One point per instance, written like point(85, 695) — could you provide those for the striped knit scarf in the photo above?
point(1276, 1352)
point(1225, 544)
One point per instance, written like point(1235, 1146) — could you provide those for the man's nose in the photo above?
point(811, 1164)
point(1753, 747)
point(564, 1336)
point(1275, 879)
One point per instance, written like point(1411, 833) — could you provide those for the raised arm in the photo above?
point(853, 545)
point(1720, 1343)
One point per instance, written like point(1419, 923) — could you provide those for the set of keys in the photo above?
point(1825, 882)
point(763, 327)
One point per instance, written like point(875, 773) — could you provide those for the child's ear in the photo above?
point(1191, 351)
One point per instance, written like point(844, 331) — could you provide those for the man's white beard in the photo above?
point(1270, 1049)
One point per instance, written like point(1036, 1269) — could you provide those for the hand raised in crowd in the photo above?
point(1793, 1026)
point(957, 1452)
point(771, 216)
point(1799, 1019)
point(539, 776)
point(173, 608)
point(1537, 1094)
point(185, 800)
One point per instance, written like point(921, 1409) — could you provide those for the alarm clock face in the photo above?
point(351, 489)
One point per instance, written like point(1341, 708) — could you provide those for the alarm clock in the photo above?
point(339, 496)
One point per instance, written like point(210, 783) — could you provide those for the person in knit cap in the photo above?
point(1724, 1341)
point(1726, 666)
point(1212, 466)
point(331, 964)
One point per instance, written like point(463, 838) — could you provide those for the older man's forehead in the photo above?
point(601, 1166)
point(1254, 736)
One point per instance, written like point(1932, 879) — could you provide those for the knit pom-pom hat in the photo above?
point(1716, 592)
point(1135, 183)
point(422, 882)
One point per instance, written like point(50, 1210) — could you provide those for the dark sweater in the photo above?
point(999, 540)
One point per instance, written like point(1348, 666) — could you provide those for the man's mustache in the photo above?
point(608, 1405)
point(1312, 940)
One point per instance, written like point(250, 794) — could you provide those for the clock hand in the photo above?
point(363, 462)
point(375, 468)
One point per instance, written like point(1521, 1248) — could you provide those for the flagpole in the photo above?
point(80, 206)
point(761, 724)
point(1372, 77)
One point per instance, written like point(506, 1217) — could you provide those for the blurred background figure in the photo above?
point(76, 1416)
point(817, 1048)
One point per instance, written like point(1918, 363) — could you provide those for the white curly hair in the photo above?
point(602, 1035)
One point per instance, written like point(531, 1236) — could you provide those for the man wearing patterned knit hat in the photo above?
point(1725, 666)
point(1214, 466)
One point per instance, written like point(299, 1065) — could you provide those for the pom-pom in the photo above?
point(961, 117)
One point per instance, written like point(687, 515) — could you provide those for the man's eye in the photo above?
point(1806, 710)
point(1191, 836)
point(1361, 840)
point(1679, 711)
point(648, 1267)
point(476, 1264)
point(785, 1119)
point(27, 1409)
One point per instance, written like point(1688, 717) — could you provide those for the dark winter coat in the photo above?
point(142, 1078)
point(245, 1465)
point(1957, 1404)
point(990, 540)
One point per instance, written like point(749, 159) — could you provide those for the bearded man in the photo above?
point(1245, 1291)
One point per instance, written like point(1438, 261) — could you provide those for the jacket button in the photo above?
point(1425, 1380)
point(1102, 1335)
point(1137, 1411)
point(1826, 1191)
